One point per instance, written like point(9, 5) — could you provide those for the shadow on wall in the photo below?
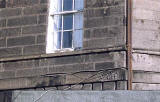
point(6, 96)
point(2, 3)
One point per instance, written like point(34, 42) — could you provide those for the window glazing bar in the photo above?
point(67, 12)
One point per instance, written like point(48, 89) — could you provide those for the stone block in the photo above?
point(21, 41)
point(20, 21)
point(43, 1)
point(3, 23)
point(34, 49)
point(109, 86)
point(9, 12)
point(2, 42)
point(66, 87)
point(68, 60)
point(99, 43)
point(31, 72)
point(42, 19)
point(34, 29)
point(104, 65)
point(7, 74)
point(103, 21)
point(71, 68)
point(38, 9)
point(97, 86)
point(6, 52)
point(87, 87)
point(21, 3)
point(10, 32)
point(41, 39)
point(121, 85)
point(76, 87)
point(100, 3)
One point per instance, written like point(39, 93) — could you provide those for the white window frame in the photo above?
point(50, 42)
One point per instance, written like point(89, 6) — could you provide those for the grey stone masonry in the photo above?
point(104, 23)
point(146, 44)
point(23, 26)
point(99, 65)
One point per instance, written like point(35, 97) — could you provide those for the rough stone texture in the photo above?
point(97, 86)
point(146, 86)
point(87, 87)
point(21, 24)
point(23, 30)
point(121, 85)
point(104, 23)
point(146, 62)
point(146, 44)
point(146, 25)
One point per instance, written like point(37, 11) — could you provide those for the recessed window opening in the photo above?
point(65, 26)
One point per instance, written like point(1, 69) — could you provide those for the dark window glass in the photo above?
point(67, 39)
point(67, 5)
point(67, 21)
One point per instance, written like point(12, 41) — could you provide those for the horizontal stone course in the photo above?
point(10, 32)
point(34, 49)
point(21, 41)
point(71, 68)
point(34, 29)
point(101, 3)
point(41, 39)
point(10, 52)
point(20, 21)
point(10, 12)
point(103, 21)
point(38, 9)
point(22, 3)
point(106, 11)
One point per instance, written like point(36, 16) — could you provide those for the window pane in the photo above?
point(67, 5)
point(67, 39)
point(67, 21)
point(57, 22)
point(78, 19)
point(57, 6)
point(78, 4)
point(77, 39)
point(57, 40)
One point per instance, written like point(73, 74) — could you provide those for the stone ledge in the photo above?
point(120, 48)
point(64, 79)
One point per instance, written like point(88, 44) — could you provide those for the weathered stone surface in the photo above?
point(146, 62)
point(23, 30)
point(9, 12)
point(109, 86)
point(121, 85)
point(146, 44)
point(146, 86)
point(10, 32)
point(97, 86)
point(20, 21)
point(146, 77)
point(10, 52)
point(76, 87)
point(21, 41)
point(87, 87)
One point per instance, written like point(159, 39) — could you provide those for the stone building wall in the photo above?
point(23, 28)
point(146, 44)
point(100, 65)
